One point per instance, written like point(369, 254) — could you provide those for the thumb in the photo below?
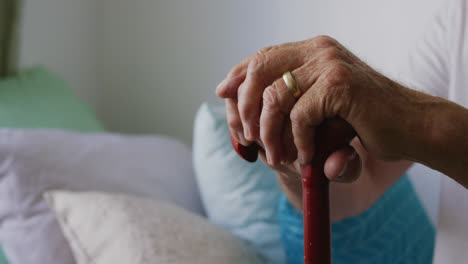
point(343, 165)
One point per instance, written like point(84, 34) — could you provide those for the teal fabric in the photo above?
point(37, 98)
point(394, 230)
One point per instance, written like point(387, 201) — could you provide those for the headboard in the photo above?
point(9, 20)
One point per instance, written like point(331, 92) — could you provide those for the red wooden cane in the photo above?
point(332, 135)
point(316, 210)
point(316, 213)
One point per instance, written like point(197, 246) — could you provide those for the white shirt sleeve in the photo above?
point(427, 66)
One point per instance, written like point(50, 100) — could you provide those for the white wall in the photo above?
point(161, 59)
point(146, 65)
point(62, 34)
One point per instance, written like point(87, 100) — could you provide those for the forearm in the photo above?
point(442, 143)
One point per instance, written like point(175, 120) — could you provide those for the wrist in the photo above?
point(418, 124)
point(443, 141)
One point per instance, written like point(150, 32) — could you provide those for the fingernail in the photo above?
point(268, 158)
point(241, 138)
point(343, 171)
point(300, 158)
point(247, 133)
point(273, 161)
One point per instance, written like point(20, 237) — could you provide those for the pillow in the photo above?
point(2, 257)
point(112, 228)
point(239, 196)
point(33, 161)
point(37, 98)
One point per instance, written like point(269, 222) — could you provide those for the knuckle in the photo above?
point(271, 97)
point(259, 58)
point(337, 92)
point(297, 118)
point(330, 54)
point(235, 71)
point(264, 50)
point(324, 41)
point(256, 64)
point(235, 123)
point(337, 74)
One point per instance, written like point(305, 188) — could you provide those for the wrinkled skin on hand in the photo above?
point(335, 84)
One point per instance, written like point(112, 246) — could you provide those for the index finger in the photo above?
point(228, 88)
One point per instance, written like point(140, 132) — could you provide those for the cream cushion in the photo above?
point(105, 228)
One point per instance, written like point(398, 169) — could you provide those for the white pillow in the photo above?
point(113, 228)
point(32, 162)
point(242, 197)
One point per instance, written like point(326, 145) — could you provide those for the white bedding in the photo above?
point(32, 162)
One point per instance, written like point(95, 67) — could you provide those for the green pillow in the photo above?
point(36, 98)
point(2, 258)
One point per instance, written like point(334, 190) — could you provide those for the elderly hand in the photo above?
point(335, 84)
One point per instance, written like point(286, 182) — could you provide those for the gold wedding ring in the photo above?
point(292, 86)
